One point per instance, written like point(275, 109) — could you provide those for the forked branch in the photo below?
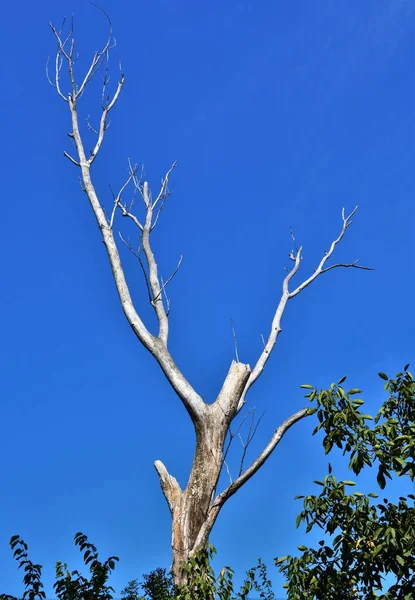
point(157, 346)
point(296, 257)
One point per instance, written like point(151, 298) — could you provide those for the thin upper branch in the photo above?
point(155, 285)
point(347, 221)
point(296, 257)
point(103, 121)
point(157, 346)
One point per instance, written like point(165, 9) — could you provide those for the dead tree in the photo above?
point(195, 508)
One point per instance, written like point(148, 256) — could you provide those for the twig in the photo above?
point(228, 471)
point(137, 255)
point(251, 433)
point(235, 341)
point(75, 162)
point(163, 287)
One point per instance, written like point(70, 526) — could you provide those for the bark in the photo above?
point(191, 508)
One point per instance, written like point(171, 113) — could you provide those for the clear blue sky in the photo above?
point(279, 114)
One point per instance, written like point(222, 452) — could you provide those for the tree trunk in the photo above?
point(192, 509)
point(190, 516)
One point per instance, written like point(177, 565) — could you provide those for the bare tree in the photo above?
point(195, 508)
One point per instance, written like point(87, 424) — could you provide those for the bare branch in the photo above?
point(347, 221)
point(163, 194)
point(347, 265)
point(59, 59)
point(103, 122)
point(166, 298)
point(251, 434)
point(296, 256)
point(169, 485)
point(235, 341)
point(228, 471)
point(192, 401)
point(47, 73)
point(75, 162)
point(164, 285)
point(137, 255)
point(98, 57)
point(122, 207)
point(88, 124)
point(233, 435)
point(260, 460)
point(156, 286)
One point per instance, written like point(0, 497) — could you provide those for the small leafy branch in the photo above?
point(32, 572)
point(367, 541)
point(68, 585)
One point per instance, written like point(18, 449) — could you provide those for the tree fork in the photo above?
point(190, 508)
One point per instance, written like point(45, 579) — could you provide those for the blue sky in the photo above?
point(279, 113)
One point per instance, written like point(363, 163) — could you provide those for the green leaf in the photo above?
point(347, 482)
point(381, 480)
point(377, 550)
point(400, 560)
point(383, 376)
point(354, 391)
point(307, 386)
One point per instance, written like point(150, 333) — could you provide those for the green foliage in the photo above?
point(68, 585)
point(131, 591)
point(203, 585)
point(367, 540)
point(390, 442)
point(73, 585)
point(32, 572)
point(158, 585)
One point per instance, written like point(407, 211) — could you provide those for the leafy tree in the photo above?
point(367, 541)
point(202, 584)
point(158, 585)
point(131, 591)
point(68, 585)
point(32, 572)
